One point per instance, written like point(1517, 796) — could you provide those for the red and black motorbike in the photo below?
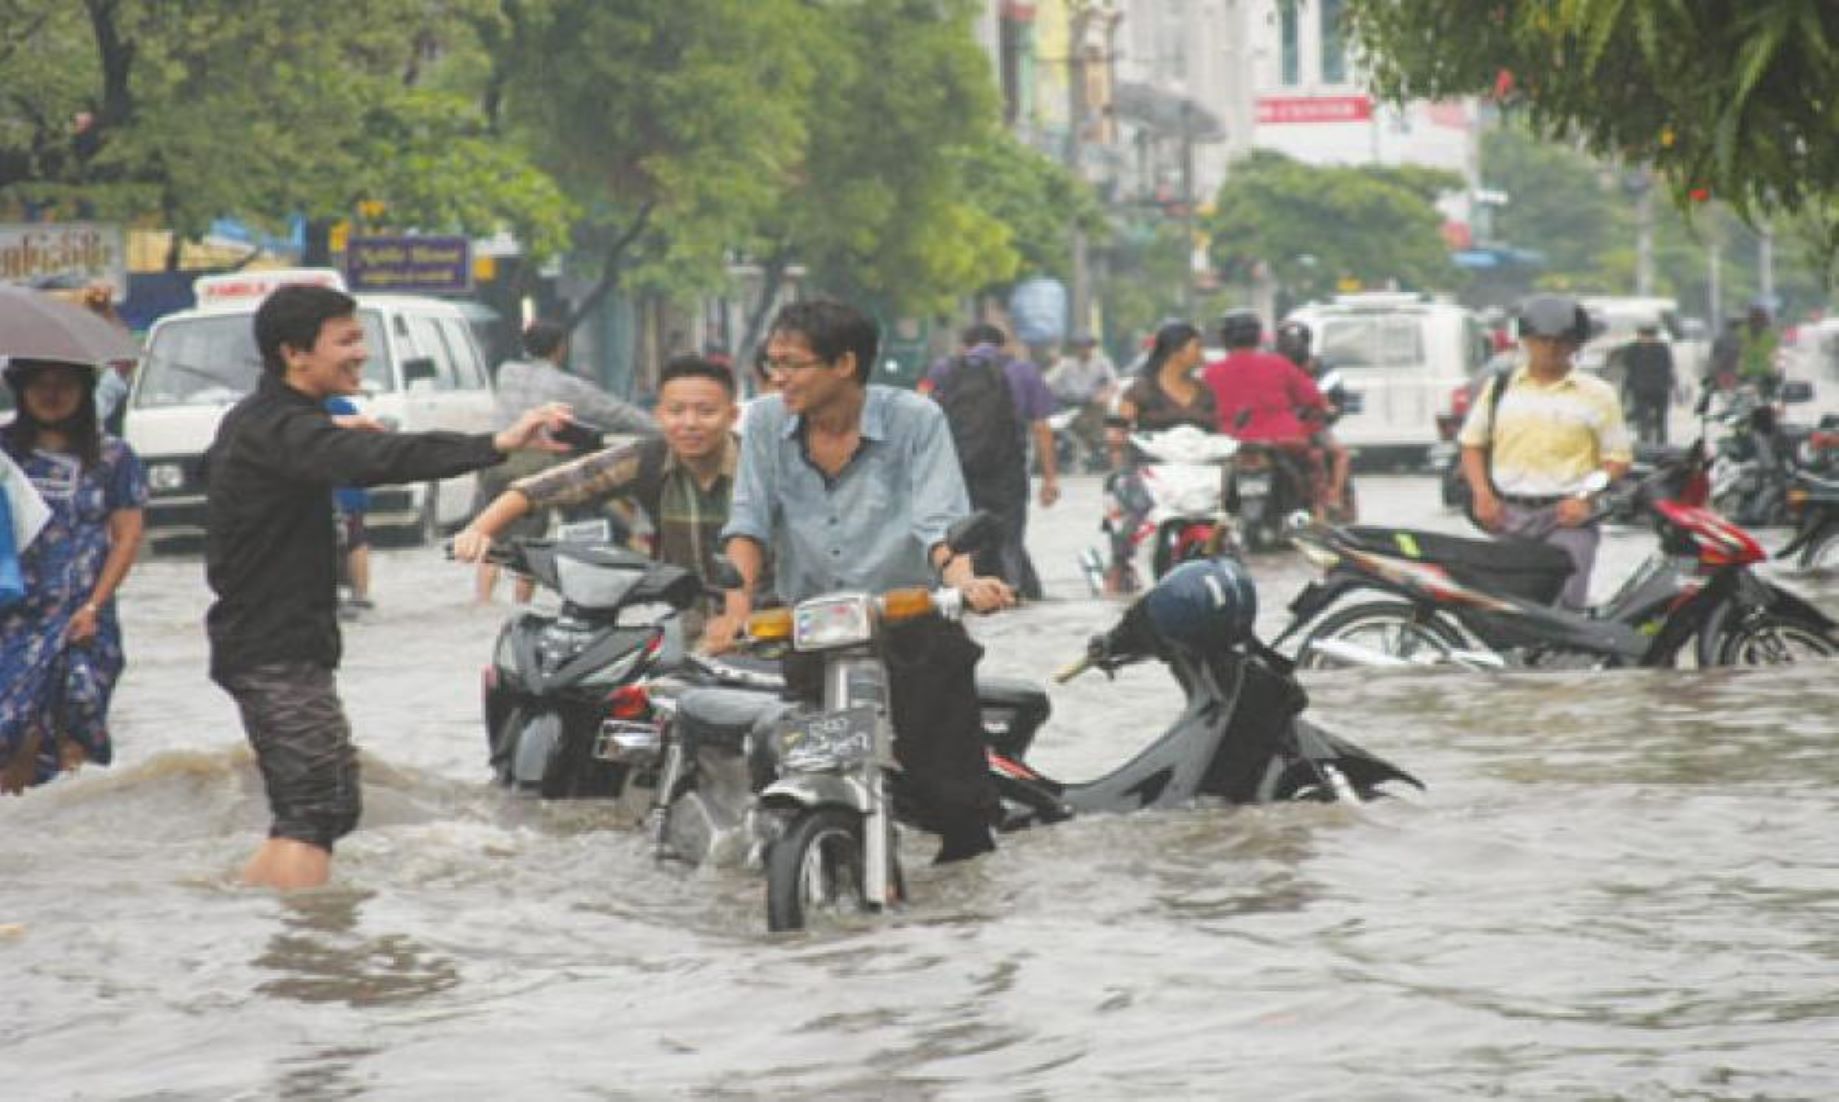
point(1429, 598)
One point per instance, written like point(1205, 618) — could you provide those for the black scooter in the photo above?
point(563, 714)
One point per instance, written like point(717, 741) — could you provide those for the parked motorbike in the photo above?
point(1814, 499)
point(1427, 598)
point(824, 802)
point(1174, 502)
point(1757, 456)
point(564, 713)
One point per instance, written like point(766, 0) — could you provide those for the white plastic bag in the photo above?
point(30, 513)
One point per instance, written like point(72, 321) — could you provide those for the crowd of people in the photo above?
point(821, 481)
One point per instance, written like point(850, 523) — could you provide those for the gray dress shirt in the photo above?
point(524, 384)
point(870, 528)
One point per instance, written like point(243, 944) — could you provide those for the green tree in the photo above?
point(1557, 203)
point(1318, 226)
point(1735, 98)
point(1036, 197)
point(675, 125)
point(881, 209)
point(188, 110)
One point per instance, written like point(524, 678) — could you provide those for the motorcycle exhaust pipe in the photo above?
point(1356, 655)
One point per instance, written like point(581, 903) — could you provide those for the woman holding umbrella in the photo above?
point(60, 646)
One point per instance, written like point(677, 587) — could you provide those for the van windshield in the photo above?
point(1381, 340)
point(212, 361)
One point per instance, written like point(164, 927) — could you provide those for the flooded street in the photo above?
point(1619, 884)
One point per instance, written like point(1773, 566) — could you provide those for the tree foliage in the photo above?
point(880, 209)
point(674, 124)
point(1318, 226)
point(189, 110)
point(1737, 99)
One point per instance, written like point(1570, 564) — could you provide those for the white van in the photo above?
point(1404, 354)
point(425, 372)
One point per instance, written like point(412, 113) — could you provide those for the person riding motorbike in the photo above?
point(1262, 399)
point(1085, 379)
point(1293, 342)
point(1162, 395)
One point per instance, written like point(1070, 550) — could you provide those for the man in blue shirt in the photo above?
point(852, 486)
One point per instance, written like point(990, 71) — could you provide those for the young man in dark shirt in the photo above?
point(271, 556)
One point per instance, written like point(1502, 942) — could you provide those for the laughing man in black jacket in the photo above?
point(271, 557)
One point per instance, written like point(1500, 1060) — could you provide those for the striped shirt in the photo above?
point(686, 518)
point(1548, 436)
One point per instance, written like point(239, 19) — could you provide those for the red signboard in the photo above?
point(1287, 109)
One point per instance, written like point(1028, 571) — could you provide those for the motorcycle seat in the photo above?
point(1511, 565)
point(1013, 694)
point(725, 717)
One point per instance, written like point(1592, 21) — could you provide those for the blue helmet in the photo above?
point(1204, 604)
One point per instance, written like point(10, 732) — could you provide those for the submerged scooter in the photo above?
point(826, 804)
point(564, 716)
point(1424, 598)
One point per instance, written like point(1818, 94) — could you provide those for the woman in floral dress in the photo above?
point(60, 647)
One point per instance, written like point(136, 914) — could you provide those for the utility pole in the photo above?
point(1076, 108)
point(1644, 234)
point(1765, 264)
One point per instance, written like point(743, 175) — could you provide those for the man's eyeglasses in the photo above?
point(786, 367)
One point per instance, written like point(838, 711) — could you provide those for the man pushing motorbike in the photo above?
point(1528, 451)
point(852, 487)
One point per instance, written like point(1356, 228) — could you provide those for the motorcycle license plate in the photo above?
point(827, 741)
point(599, 530)
point(1255, 483)
point(624, 741)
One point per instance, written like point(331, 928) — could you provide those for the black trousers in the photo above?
point(938, 729)
point(1649, 415)
point(1005, 497)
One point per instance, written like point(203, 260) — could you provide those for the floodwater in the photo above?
point(1619, 885)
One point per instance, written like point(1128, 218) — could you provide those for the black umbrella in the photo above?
point(36, 326)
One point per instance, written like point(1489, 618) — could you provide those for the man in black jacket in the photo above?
point(271, 556)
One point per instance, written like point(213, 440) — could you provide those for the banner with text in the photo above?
point(63, 254)
point(1297, 109)
point(409, 265)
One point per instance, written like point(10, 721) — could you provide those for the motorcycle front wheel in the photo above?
point(1395, 629)
point(816, 868)
point(1763, 639)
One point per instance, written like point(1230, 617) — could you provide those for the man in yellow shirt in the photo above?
point(1527, 456)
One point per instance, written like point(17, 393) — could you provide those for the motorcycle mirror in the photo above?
point(1597, 482)
point(972, 533)
point(1299, 521)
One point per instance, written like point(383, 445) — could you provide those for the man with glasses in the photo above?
point(852, 487)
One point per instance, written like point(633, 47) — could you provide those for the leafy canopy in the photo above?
point(1317, 226)
point(1736, 99)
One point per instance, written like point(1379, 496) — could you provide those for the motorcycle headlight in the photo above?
point(165, 477)
point(839, 620)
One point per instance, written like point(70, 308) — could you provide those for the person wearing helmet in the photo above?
point(1263, 398)
point(1294, 342)
point(1528, 455)
point(60, 644)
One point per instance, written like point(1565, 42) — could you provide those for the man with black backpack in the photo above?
point(992, 403)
